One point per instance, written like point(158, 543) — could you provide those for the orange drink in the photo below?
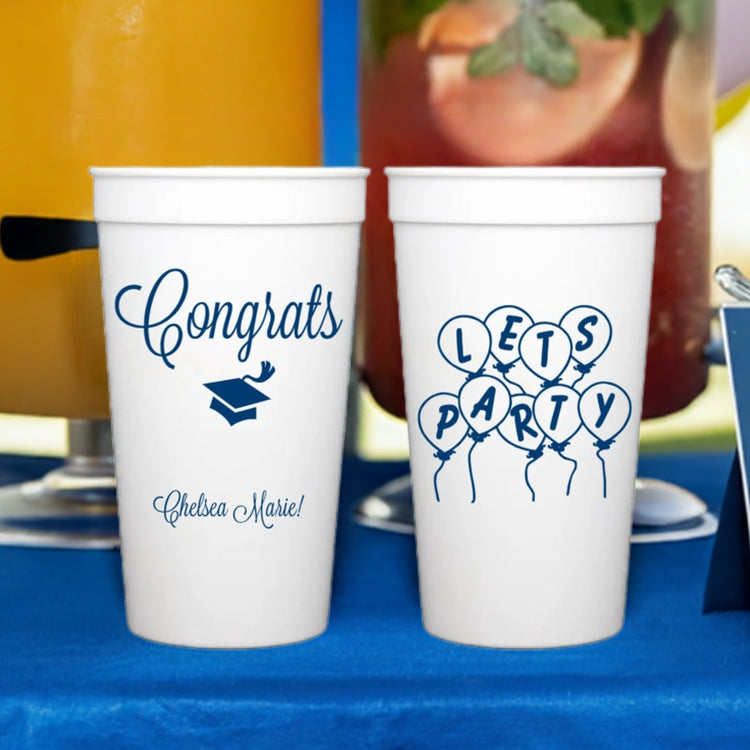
point(125, 82)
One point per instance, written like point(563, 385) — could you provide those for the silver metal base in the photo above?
point(73, 507)
point(389, 508)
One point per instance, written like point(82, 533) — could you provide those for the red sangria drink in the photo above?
point(547, 82)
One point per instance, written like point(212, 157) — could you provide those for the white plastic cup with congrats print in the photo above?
point(229, 297)
point(524, 303)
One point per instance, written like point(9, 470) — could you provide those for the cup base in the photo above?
point(218, 644)
point(524, 644)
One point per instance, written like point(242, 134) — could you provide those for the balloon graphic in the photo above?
point(484, 402)
point(556, 413)
point(464, 342)
point(520, 429)
point(545, 349)
point(590, 332)
point(506, 325)
point(605, 410)
point(443, 427)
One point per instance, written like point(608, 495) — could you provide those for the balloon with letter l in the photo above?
point(464, 342)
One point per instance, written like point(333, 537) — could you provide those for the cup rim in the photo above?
point(243, 172)
point(528, 172)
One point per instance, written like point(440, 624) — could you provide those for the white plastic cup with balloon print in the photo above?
point(229, 297)
point(524, 303)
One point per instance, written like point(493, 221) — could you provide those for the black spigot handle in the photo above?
point(34, 237)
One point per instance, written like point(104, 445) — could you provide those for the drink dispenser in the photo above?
point(124, 82)
point(543, 82)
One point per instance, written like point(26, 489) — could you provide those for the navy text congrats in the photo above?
point(168, 320)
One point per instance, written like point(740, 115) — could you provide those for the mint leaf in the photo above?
point(615, 16)
point(648, 13)
point(497, 57)
point(568, 18)
point(547, 53)
point(692, 15)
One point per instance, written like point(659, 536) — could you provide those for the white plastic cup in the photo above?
point(229, 298)
point(524, 304)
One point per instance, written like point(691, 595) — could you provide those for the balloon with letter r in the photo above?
point(464, 342)
point(484, 402)
point(440, 421)
point(590, 333)
point(506, 325)
point(556, 413)
point(605, 409)
point(520, 429)
point(545, 349)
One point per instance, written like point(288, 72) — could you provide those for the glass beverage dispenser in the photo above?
point(127, 82)
point(547, 82)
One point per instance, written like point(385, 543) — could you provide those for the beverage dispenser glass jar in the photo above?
point(128, 82)
point(547, 82)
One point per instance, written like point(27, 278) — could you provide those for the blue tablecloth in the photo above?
point(74, 677)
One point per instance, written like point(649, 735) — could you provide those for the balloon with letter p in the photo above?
point(440, 422)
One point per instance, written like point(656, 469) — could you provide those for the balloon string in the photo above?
point(471, 473)
point(504, 370)
point(472, 375)
point(534, 455)
point(572, 473)
point(513, 382)
point(584, 370)
point(604, 471)
point(435, 480)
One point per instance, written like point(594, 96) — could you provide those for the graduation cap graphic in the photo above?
point(236, 399)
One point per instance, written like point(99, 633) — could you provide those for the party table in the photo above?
point(74, 677)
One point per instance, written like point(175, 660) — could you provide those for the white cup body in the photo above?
point(519, 291)
point(229, 305)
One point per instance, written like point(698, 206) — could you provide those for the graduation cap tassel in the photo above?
point(266, 370)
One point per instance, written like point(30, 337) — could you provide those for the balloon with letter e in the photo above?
point(506, 325)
